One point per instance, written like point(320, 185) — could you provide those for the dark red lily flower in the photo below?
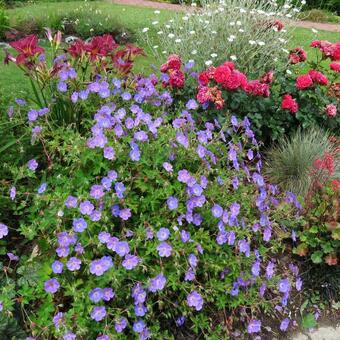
point(101, 46)
point(131, 51)
point(77, 49)
point(27, 47)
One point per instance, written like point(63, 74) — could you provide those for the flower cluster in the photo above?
point(172, 74)
point(329, 50)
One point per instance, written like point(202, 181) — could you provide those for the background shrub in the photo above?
point(85, 21)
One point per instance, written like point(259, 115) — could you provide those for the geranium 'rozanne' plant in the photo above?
point(172, 219)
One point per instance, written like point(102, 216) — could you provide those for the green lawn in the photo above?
point(134, 19)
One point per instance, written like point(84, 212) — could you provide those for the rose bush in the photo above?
point(277, 103)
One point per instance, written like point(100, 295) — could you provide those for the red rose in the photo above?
point(222, 73)
point(177, 78)
point(297, 55)
point(203, 78)
point(174, 62)
point(335, 185)
point(304, 82)
point(335, 67)
point(203, 95)
point(331, 110)
point(258, 89)
point(318, 77)
point(336, 52)
point(267, 78)
point(288, 103)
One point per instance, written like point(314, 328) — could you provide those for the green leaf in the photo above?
point(317, 256)
point(308, 321)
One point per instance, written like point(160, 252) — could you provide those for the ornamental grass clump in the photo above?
point(293, 163)
point(149, 224)
point(249, 32)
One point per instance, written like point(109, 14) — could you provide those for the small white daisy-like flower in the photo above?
point(160, 32)
point(232, 23)
point(145, 29)
point(289, 72)
point(157, 12)
point(178, 40)
point(288, 15)
point(233, 57)
point(242, 10)
point(171, 35)
point(252, 42)
point(167, 26)
point(303, 2)
point(171, 20)
point(208, 63)
point(261, 43)
point(60, 213)
point(155, 22)
point(213, 32)
point(194, 52)
point(213, 55)
point(238, 23)
point(194, 4)
point(155, 47)
point(282, 40)
point(230, 39)
point(206, 22)
point(241, 30)
point(232, 36)
point(185, 18)
point(314, 30)
point(163, 52)
point(192, 32)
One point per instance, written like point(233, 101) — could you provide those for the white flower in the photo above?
point(155, 47)
point(194, 4)
point(60, 213)
point(241, 30)
point(252, 42)
point(282, 40)
point(154, 22)
point(242, 10)
point(232, 36)
point(167, 26)
point(185, 18)
point(285, 51)
point(145, 29)
point(172, 20)
point(206, 22)
point(178, 40)
point(303, 2)
point(232, 23)
point(288, 15)
point(163, 52)
point(157, 12)
point(194, 52)
point(208, 63)
point(288, 71)
point(192, 32)
point(233, 57)
point(171, 35)
point(230, 39)
point(160, 32)
point(213, 55)
point(261, 43)
point(213, 32)
point(314, 30)
point(238, 23)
